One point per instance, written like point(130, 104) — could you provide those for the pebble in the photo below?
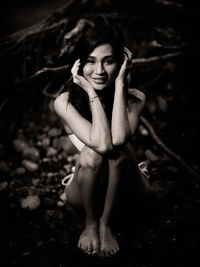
point(19, 145)
point(151, 107)
point(4, 166)
point(151, 156)
point(20, 171)
point(48, 202)
point(162, 103)
point(51, 151)
point(30, 202)
point(31, 153)
point(3, 186)
point(68, 167)
point(173, 169)
point(30, 166)
point(143, 130)
point(35, 181)
point(60, 203)
point(54, 132)
point(45, 142)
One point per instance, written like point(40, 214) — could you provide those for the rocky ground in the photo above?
point(37, 229)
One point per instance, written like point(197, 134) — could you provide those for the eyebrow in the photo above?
point(109, 56)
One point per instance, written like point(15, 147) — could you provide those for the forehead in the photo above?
point(102, 51)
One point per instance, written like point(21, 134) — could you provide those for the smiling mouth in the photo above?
point(99, 80)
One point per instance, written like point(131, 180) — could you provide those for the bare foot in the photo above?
point(108, 242)
point(89, 240)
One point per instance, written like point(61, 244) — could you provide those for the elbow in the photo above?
point(105, 148)
point(121, 140)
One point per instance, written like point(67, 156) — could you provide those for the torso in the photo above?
point(134, 96)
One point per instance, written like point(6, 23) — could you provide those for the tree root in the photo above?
point(168, 151)
point(156, 58)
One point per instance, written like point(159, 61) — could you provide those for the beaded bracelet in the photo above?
point(93, 98)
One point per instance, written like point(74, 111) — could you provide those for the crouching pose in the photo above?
point(100, 114)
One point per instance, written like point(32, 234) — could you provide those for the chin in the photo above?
point(99, 87)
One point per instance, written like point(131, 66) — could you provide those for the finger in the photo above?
point(76, 65)
point(128, 53)
point(75, 71)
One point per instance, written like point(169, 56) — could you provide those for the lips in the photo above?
point(99, 80)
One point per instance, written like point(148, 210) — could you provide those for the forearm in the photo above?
point(100, 133)
point(120, 126)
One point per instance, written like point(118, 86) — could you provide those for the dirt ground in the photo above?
point(37, 229)
point(164, 231)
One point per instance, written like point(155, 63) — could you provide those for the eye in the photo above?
point(109, 61)
point(90, 61)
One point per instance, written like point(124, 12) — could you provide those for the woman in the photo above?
point(100, 117)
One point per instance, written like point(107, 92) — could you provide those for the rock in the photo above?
point(60, 203)
point(162, 103)
point(151, 156)
point(2, 149)
point(35, 181)
point(70, 158)
point(3, 186)
point(31, 153)
point(54, 132)
point(151, 107)
point(64, 143)
point(158, 189)
point(143, 130)
point(48, 202)
point(51, 151)
point(4, 166)
point(30, 202)
point(20, 171)
point(19, 145)
point(45, 142)
point(30, 166)
point(46, 129)
point(68, 167)
point(172, 169)
point(62, 173)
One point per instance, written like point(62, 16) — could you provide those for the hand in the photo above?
point(78, 79)
point(124, 70)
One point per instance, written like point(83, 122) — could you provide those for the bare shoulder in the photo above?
point(60, 101)
point(136, 94)
point(62, 97)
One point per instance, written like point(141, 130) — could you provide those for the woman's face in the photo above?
point(101, 67)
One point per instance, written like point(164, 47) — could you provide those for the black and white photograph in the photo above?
point(99, 133)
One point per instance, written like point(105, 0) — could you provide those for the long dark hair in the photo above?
point(91, 38)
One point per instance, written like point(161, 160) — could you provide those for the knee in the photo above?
point(90, 159)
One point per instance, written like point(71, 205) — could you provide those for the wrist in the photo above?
point(91, 92)
point(120, 83)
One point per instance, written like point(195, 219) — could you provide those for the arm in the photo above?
point(135, 108)
point(96, 135)
point(125, 118)
point(120, 126)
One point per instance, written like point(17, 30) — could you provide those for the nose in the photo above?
point(99, 70)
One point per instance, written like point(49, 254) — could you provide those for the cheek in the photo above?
point(87, 70)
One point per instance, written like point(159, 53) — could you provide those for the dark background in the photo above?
point(163, 233)
point(16, 15)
